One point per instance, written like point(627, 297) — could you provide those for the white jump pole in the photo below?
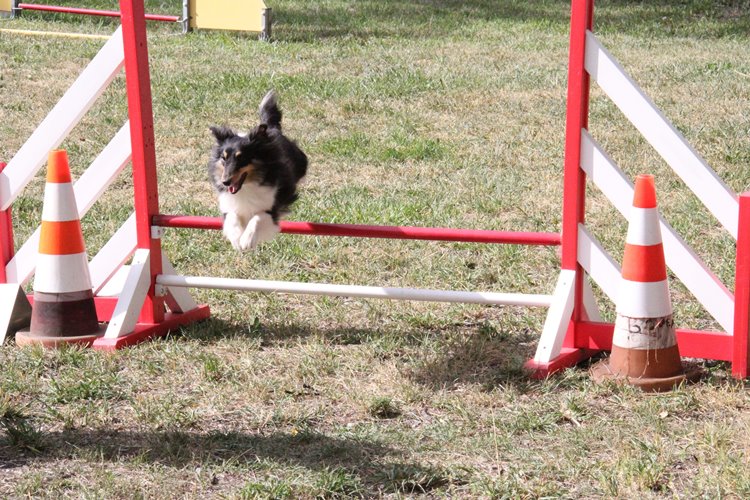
point(374, 292)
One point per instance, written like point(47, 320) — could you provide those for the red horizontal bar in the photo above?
point(91, 12)
point(692, 343)
point(364, 231)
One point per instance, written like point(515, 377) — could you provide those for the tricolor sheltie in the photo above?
point(255, 176)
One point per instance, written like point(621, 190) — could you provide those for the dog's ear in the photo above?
point(261, 131)
point(221, 133)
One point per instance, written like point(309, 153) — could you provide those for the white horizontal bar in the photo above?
point(720, 200)
point(92, 183)
point(68, 111)
point(375, 292)
point(681, 259)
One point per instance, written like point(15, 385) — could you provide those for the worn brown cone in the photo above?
point(652, 370)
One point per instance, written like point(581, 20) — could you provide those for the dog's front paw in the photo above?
point(261, 228)
point(249, 238)
point(232, 230)
point(235, 238)
point(236, 244)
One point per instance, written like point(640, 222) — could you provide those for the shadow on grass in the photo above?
point(370, 462)
point(179, 448)
point(478, 358)
point(300, 21)
point(435, 357)
point(269, 334)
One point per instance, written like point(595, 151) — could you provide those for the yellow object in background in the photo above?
point(6, 8)
point(238, 15)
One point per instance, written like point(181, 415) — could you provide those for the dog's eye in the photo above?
point(224, 155)
point(237, 154)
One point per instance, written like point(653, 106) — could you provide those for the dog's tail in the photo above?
point(270, 114)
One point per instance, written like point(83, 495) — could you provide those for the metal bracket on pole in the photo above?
point(266, 20)
point(185, 21)
point(12, 11)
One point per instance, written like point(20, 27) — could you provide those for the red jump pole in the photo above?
point(365, 231)
point(91, 12)
point(741, 334)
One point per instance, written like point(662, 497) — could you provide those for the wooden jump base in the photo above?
point(153, 299)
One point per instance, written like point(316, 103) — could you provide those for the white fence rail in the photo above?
point(66, 114)
point(718, 198)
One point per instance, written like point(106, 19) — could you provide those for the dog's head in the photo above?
point(236, 158)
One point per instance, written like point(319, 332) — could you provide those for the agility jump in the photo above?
point(153, 299)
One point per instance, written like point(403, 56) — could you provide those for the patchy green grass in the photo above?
point(436, 113)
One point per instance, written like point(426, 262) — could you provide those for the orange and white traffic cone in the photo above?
point(63, 310)
point(644, 345)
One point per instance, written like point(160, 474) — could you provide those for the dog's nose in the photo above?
point(227, 182)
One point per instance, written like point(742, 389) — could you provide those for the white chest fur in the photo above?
point(250, 200)
point(246, 223)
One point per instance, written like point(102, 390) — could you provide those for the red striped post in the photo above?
point(741, 334)
point(140, 112)
point(6, 237)
point(574, 183)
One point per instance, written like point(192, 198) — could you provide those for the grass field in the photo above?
point(431, 113)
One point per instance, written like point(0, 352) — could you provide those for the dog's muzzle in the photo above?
point(234, 187)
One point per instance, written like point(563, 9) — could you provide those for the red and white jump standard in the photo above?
point(149, 299)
